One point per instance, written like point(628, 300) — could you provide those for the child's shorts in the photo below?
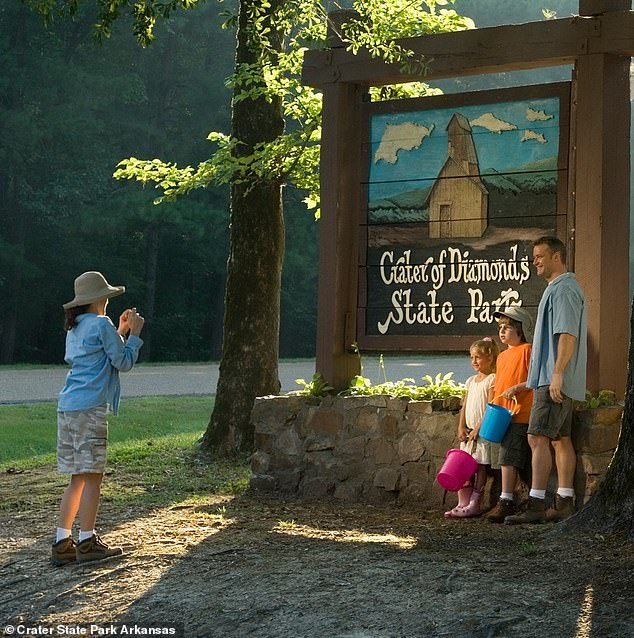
point(82, 438)
point(514, 448)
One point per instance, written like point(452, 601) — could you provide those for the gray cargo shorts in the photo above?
point(82, 438)
point(548, 418)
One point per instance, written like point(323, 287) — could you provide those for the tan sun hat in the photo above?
point(519, 314)
point(92, 286)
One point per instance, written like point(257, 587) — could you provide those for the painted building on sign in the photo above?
point(458, 201)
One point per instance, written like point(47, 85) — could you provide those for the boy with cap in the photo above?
point(515, 332)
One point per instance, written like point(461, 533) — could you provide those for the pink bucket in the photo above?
point(459, 466)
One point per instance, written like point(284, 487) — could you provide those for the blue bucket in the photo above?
point(495, 423)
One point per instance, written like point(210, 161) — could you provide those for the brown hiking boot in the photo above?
point(63, 551)
point(535, 513)
point(562, 508)
point(94, 548)
point(503, 509)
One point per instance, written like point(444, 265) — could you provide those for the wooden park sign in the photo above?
point(455, 190)
point(430, 206)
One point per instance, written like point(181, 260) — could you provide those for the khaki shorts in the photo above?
point(82, 438)
point(514, 448)
point(548, 418)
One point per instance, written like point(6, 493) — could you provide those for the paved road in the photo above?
point(43, 384)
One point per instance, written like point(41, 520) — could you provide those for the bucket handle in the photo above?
point(473, 445)
point(516, 406)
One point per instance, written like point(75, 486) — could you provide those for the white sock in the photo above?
point(506, 496)
point(63, 533)
point(566, 492)
point(85, 535)
point(540, 494)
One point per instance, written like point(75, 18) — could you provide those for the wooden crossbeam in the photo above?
point(477, 51)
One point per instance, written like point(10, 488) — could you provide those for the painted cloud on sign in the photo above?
point(532, 135)
point(492, 123)
point(537, 116)
point(400, 137)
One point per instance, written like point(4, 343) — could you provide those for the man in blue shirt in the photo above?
point(557, 373)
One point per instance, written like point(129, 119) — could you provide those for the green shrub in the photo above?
point(604, 398)
point(438, 387)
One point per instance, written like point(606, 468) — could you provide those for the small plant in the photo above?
point(316, 387)
point(438, 387)
point(286, 524)
point(529, 549)
point(604, 398)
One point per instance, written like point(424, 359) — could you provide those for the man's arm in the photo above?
point(565, 349)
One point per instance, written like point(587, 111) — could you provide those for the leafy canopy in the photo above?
point(144, 13)
point(293, 157)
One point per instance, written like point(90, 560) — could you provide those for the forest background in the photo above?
point(71, 109)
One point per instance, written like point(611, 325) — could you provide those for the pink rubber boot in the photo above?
point(473, 509)
point(464, 498)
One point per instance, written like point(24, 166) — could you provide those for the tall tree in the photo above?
point(257, 159)
point(69, 110)
point(248, 367)
point(611, 507)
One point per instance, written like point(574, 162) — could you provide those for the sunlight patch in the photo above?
point(344, 536)
point(584, 621)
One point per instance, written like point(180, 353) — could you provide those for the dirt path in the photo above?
point(246, 566)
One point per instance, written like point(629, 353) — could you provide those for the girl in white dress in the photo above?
point(480, 389)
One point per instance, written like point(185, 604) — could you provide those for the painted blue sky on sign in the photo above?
point(409, 149)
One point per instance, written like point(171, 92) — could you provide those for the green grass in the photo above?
point(152, 456)
point(28, 432)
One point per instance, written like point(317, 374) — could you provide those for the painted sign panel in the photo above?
point(458, 187)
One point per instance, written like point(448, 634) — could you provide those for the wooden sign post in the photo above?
point(593, 210)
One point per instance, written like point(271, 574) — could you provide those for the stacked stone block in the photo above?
point(381, 449)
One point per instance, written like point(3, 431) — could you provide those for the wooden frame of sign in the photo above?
point(600, 43)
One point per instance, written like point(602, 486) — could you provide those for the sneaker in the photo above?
point(562, 508)
point(63, 551)
point(503, 509)
point(535, 513)
point(94, 548)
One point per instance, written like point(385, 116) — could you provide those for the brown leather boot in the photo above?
point(63, 551)
point(535, 513)
point(562, 508)
point(503, 509)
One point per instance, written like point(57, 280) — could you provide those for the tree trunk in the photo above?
point(15, 234)
point(249, 364)
point(12, 219)
point(611, 507)
point(153, 239)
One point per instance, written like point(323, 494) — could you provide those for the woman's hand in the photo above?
point(124, 327)
point(462, 434)
point(135, 322)
point(131, 322)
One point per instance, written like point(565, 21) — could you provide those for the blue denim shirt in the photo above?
point(562, 309)
point(96, 352)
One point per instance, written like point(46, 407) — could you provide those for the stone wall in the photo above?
point(386, 450)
